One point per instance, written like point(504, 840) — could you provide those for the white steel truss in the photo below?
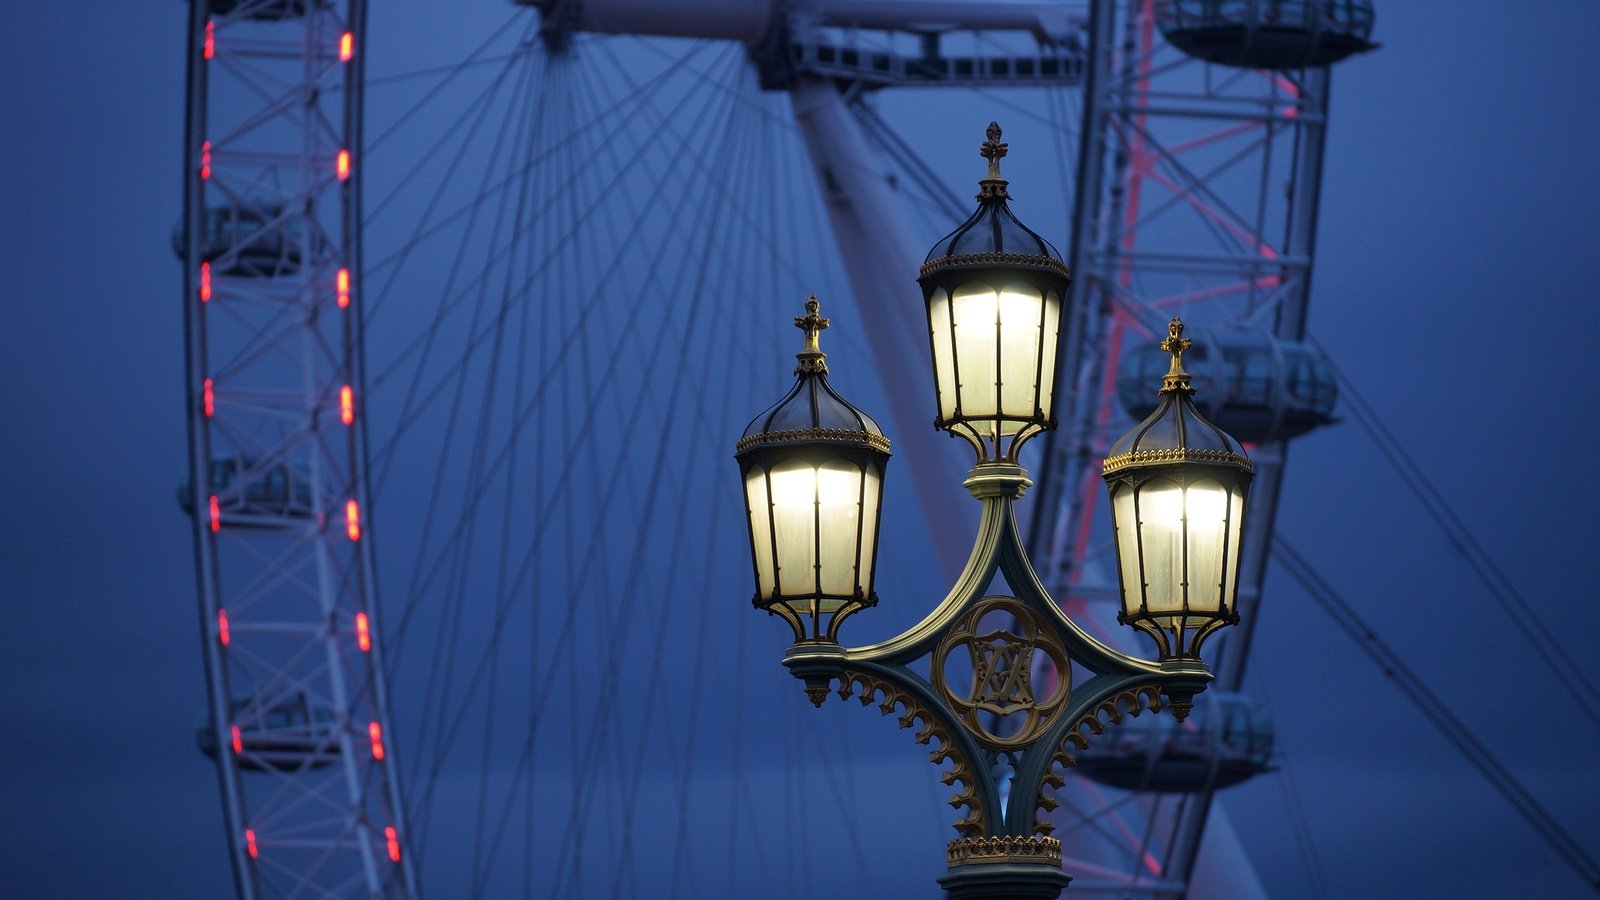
point(276, 490)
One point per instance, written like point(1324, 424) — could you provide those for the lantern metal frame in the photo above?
point(1175, 631)
point(1043, 273)
point(814, 446)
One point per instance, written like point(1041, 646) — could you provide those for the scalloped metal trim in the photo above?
point(946, 749)
point(1130, 702)
point(832, 435)
point(993, 259)
point(1003, 848)
point(1178, 454)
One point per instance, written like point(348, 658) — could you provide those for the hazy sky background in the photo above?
point(1456, 262)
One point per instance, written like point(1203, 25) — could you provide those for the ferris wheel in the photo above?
point(495, 304)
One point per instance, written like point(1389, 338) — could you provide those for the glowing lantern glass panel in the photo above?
point(1178, 487)
point(813, 467)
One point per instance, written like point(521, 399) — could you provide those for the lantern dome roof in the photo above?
point(993, 235)
point(812, 412)
point(1176, 432)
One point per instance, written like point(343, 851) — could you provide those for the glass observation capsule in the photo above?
point(1267, 34)
point(1227, 739)
point(1178, 486)
point(251, 492)
point(994, 292)
point(1252, 385)
point(253, 240)
point(813, 468)
point(283, 735)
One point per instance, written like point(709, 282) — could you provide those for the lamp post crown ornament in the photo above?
point(1176, 379)
point(811, 358)
point(992, 150)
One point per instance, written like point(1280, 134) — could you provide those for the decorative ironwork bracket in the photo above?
point(1002, 848)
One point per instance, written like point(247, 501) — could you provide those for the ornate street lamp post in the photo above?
point(813, 477)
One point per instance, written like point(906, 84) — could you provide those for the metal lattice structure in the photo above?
point(269, 240)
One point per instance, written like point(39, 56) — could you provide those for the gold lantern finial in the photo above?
point(1176, 378)
point(811, 357)
point(992, 185)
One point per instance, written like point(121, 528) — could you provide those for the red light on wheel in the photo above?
point(250, 842)
point(343, 285)
point(375, 731)
point(205, 282)
point(394, 843)
point(352, 520)
point(347, 405)
point(363, 633)
point(205, 160)
point(209, 398)
point(238, 740)
point(222, 627)
point(347, 46)
point(211, 39)
point(216, 514)
point(343, 165)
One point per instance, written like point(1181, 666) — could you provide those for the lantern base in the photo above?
point(997, 479)
point(817, 663)
point(1004, 868)
point(1180, 694)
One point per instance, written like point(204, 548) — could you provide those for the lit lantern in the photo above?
point(813, 482)
point(994, 293)
point(1178, 486)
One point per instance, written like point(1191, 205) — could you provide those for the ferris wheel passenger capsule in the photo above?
point(251, 493)
point(261, 10)
point(252, 240)
point(1226, 740)
point(1268, 34)
point(281, 735)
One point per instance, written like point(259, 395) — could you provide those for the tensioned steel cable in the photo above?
point(619, 625)
point(608, 495)
point(1504, 591)
point(1438, 712)
point(1300, 823)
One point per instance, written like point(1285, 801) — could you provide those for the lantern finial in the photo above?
point(811, 357)
point(992, 185)
point(1176, 378)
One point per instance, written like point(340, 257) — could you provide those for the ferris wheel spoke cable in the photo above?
point(429, 225)
point(447, 634)
point(477, 112)
point(566, 631)
point(1504, 591)
point(1438, 713)
point(424, 341)
point(887, 139)
point(557, 364)
point(473, 60)
point(620, 625)
point(527, 751)
point(1289, 788)
point(520, 214)
point(743, 184)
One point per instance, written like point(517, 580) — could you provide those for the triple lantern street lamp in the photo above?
point(813, 468)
